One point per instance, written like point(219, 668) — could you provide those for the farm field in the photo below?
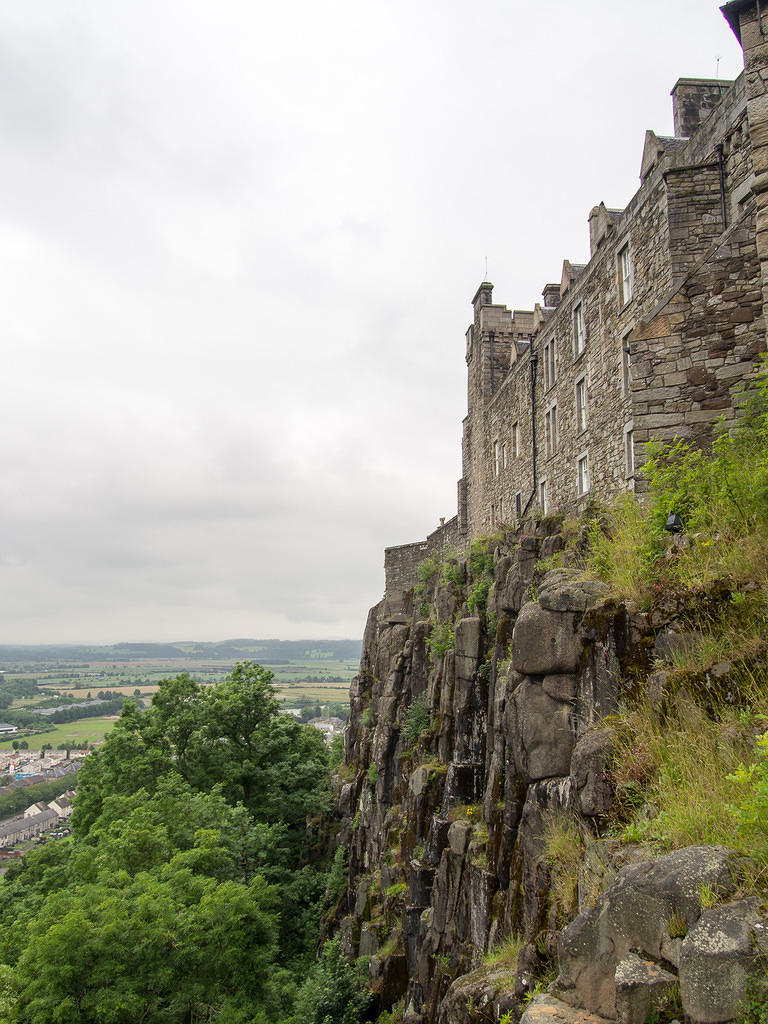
point(85, 730)
point(298, 682)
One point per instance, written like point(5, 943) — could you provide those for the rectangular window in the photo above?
point(626, 368)
point(579, 337)
point(550, 430)
point(496, 458)
point(543, 496)
point(582, 474)
point(625, 275)
point(515, 443)
point(504, 455)
point(581, 404)
point(629, 451)
point(518, 505)
point(549, 364)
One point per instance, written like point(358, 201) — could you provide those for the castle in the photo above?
point(654, 338)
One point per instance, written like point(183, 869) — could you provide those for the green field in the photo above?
point(298, 682)
point(319, 679)
point(86, 730)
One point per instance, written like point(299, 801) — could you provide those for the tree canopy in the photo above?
point(188, 890)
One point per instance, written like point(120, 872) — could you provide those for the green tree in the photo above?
point(333, 992)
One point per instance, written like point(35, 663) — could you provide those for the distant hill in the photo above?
point(268, 651)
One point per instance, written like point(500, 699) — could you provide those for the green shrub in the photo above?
point(481, 557)
point(453, 574)
point(417, 718)
point(440, 640)
point(478, 595)
point(333, 990)
point(396, 890)
point(367, 719)
point(428, 569)
point(373, 773)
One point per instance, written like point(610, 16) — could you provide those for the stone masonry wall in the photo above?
point(668, 360)
point(400, 561)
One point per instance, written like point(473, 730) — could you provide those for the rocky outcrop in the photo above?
point(476, 734)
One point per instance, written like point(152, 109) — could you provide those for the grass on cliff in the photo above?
point(710, 580)
point(692, 774)
point(690, 766)
point(721, 497)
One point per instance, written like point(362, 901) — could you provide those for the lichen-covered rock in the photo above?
point(718, 955)
point(371, 937)
point(483, 994)
point(545, 642)
point(467, 646)
point(563, 591)
point(459, 835)
point(634, 914)
point(511, 596)
point(546, 1009)
point(560, 687)
point(590, 778)
point(641, 987)
point(542, 737)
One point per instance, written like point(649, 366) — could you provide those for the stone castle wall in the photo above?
point(400, 561)
point(666, 361)
point(562, 399)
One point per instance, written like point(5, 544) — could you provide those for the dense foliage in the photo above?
point(188, 891)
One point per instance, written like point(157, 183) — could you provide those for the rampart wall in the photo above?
point(400, 561)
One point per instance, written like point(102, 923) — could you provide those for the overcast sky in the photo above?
point(239, 242)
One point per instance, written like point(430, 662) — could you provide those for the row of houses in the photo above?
point(36, 819)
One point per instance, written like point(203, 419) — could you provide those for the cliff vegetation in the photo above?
point(554, 793)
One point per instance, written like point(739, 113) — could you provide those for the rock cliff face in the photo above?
point(473, 796)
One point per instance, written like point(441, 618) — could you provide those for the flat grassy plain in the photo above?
point(86, 730)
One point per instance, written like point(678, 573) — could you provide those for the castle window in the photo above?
point(582, 474)
point(515, 442)
point(543, 496)
point(550, 430)
point(626, 367)
point(518, 505)
point(504, 455)
point(579, 336)
point(581, 404)
point(549, 364)
point(496, 458)
point(629, 451)
point(625, 275)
